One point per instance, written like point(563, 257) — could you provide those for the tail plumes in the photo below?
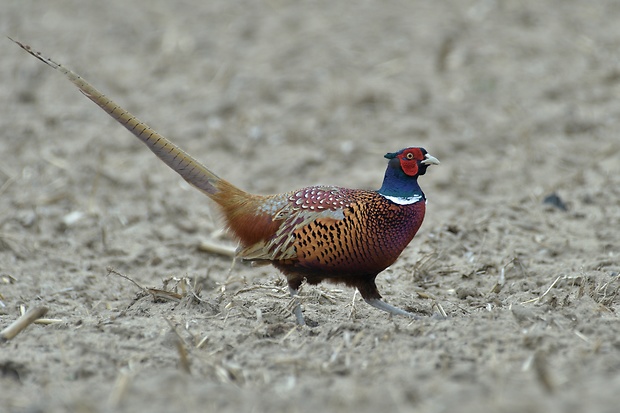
point(184, 164)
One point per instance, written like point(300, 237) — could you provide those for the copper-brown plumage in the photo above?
point(316, 233)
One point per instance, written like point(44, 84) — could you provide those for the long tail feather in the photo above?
point(184, 164)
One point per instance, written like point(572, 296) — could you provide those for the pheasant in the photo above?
point(317, 233)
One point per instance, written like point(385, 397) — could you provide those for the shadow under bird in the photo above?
point(317, 233)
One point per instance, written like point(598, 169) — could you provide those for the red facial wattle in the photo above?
point(409, 161)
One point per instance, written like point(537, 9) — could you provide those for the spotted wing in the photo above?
point(302, 208)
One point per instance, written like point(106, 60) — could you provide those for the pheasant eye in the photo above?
point(409, 155)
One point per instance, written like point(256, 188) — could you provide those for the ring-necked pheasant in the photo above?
point(316, 233)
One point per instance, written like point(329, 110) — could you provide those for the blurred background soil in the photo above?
point(520, 100)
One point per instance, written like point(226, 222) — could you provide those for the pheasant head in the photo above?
point(400, 183)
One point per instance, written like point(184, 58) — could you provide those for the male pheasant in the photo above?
point(316, 233)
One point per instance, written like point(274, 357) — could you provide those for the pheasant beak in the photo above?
point(430, 160)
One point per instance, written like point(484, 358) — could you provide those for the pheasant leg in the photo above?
point(297, 310)
point(382, 305)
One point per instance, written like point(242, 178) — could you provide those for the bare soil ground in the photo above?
point(520, 100)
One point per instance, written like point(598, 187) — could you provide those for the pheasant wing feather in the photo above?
point(302, 208)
